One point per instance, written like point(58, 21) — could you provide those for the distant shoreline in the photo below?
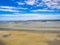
point(7, 29)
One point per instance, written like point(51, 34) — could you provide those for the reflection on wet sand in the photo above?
point(49, 25)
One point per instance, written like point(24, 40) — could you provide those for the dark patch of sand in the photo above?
point(54, 42)
point(2, 42)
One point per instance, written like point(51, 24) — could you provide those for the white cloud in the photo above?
point(40, 4)
point(11, 9)
point(28, 17)
point(8, 8)
point(20, 3)
point(52, 3)
point(30, 2)
point(42, 10)
point(18, 14)
point(46, 0)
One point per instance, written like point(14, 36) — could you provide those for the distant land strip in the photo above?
point(9, 29)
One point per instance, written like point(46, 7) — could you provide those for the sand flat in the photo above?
point(28, 38)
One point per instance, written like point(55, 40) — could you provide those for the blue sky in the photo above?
point(29, 9)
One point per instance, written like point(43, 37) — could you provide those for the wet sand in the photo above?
point(50, 25)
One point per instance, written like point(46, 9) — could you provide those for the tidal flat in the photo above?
point(30, 33)
point(48, 25)
point(29, 38)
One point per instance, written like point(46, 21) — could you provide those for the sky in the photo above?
point(29, 9)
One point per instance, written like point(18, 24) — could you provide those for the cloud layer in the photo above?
point(29, 9)
point(28, 17)
point(33, 6)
